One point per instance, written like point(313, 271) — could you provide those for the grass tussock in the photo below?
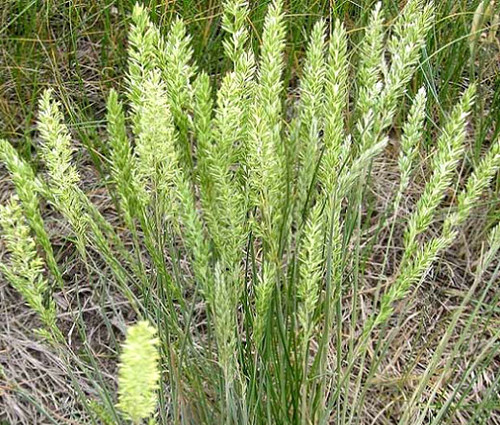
point(276, 251)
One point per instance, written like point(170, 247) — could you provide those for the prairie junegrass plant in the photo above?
point(250, 233)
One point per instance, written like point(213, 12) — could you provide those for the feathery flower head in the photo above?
point(139, 373)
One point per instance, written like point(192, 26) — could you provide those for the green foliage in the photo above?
point(248, 219)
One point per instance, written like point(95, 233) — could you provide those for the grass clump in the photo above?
point(246, 225)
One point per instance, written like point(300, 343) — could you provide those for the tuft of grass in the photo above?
point(248, 226)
